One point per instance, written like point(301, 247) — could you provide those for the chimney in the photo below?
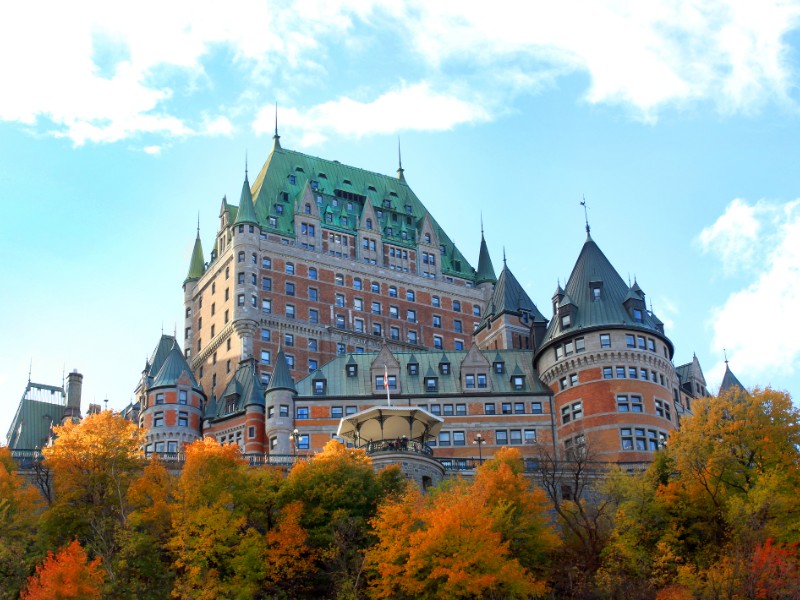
point(74, 385)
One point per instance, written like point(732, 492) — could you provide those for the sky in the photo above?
point(122, 124)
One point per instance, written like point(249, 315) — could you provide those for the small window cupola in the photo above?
point(351, 368)
point(517, 379)
point(596, 290)
point(557, 297)
point(498, 365)
point(634, 304)
point(567, 309)
point(444, 365)
point(320, 383)
point(413, 366)
point(431, 381)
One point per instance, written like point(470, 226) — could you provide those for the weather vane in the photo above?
point(585, 214)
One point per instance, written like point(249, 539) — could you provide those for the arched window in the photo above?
point(369, 223)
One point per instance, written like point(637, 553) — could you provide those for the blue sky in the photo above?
point(678, 121)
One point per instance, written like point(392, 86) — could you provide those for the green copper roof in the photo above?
point(593, 269)
point(40, 407)
point(173, 368)
point(339, 384)
point(509, 297)
point(246, 213)
point(281, 378)
point(485, 268)
point(196, 266)
point(729, 381)
point(244, 388)
point(338, 187)
point(162, 350)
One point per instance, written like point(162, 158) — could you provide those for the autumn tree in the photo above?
point(339, 492)
point(463, 540)
point(68, 574)
point(20, 507)
point(93, 463)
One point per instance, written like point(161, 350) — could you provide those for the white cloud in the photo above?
point(95, 71)
point(409, 107)
point(758, 323)
point(733, 238)
point(152, 150)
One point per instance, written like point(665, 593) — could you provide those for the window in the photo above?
point(637, 315)
point(410, 296)
point(482, 381)
point(182, 397)
point(501, 437)
point(358, 304)
point(536, 408)
point(641, 342)
point(620, 372)
point(519, 408)
point(431, 384)
point(394, 333)
point(411, 316)
point(288, 339)
point(632, 373)
point(266, 305)
point(518, 382)
point(629, 403)
point(376, 308)
point(605, 340)
point(663, 410)
point(313, 315)
point(340, 348)
point(573, 379)
point(312, 344)
point(459, 438)
point(375, 287)
point(302, 412)
point(608, 373)
point(489, 408)
point(240, 278)
point(457, 326)
point(412, 337)
point(358, 325)
point(437, 321)
point(339, 279)
point(319, 387)
point(392, 291)
point(516, 436)
point(643, 374)
point(283, 410)
point(448, 410)
point(469, 381)
point(352, 370)
point(529, 436)
point(444, 438)
point(377, 329)
point(596, 293)
point(290, 361)
point(506, 408)
point(339, 300)
point(350, 410)
point(266, 284)
point(240, 257)
point(566, 321)
point(289, 288)
point(312, 273)
point(630, 340)
point(580, 344)
point(183, 419)
point(159, 398)
point(290, 268)
point(571, 412)
point(438, 344)
point(336, 412)
point(265, 357)
point(158, 419)
point(303, 442)
point(456, 306)
point(394, 312)
point(290, 311)
point(266, 262)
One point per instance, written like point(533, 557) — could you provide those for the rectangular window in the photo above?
point(159, 398)
point(605, 340)
point(182, 397)
point(519, 408)
point(394, 312)
point(620, 372)
point(313, 294)
point(469, 381)
point(313, 315)
point(448, 410)
point(411, 315)
point(288, 339)
point(626, 437)
point(438, 344)
point(431, 384)
point(573, 379)
point(461, 410)
point(501, 437)
point(482, 381)
point(580, 344)
point(350, 410)
point(302, 412)
point(436, 409)
point(608, 373)
point(183, 419)
point(437, 321)
point(251, 432)
point(489, 408)
point(641, 342)
point(336, 412)
point(632, 372)
point(643, 374)
point(505, 408)
point(536, 408)
point(444, 438)
point(289, 311)
point(651, 345)
point(376, 308)
point(516, 436)
point(459, 438)
point(284, 410)
point(303, 442)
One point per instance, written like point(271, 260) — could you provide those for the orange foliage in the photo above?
point(774, 571)
point(675, 592)
point(289, 556)
point(67, 574)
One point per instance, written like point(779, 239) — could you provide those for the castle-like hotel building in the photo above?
point(330, 287)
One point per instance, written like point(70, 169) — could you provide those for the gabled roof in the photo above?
point(339, 384)
point(593, 269)
point(485, 268)
point(281, 377)
point(509, 297)
point(174, 367)
point(40, 407)
point(196, 265)
point(729, 381)
point(246, 213)
point(286, 173)
point(244, 388)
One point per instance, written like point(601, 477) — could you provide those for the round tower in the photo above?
point(279, 401)
point(609, 365)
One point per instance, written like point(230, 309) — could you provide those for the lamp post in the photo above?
point(295, 437)
point(480, 441)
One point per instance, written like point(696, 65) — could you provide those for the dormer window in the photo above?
point(427, 238)
point(352, 370)
point(444, 368)
point(518, 382)
point(369, 224)
point(320, 387)
point(307, 208)
point(314, 185)
point(566, 321)
point(413, 369)
point(637, 315)
point(596, 293)
point(387, 203)
point(431, 384)
point(292, 179)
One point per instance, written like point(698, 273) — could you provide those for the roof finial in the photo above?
point(245, 164)
point(30, 369)
point(725, 353)
point(504, 257)
point(276, 137)
point(400, 169)
point(586, 215)
point(481, 223)
point(198, 223)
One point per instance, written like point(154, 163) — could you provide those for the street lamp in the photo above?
point(480, 441)
point(295, 437)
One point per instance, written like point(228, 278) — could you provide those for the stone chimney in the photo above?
point(74, 385)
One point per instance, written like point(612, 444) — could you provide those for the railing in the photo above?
point(252, 459)
point(25, 459)
point(531, 465)
point(397, 445)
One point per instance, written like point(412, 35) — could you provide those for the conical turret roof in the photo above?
point(509, 297)
point(173, 368)
point(281, 377)
point(729, 381)
point(247, 212)
point(485, 268)
point(197, 265)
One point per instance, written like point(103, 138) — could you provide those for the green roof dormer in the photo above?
point(246, 212)
point(196, 266)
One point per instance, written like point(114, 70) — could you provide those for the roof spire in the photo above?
point(725, 354)
point(30, 369)
point(245, 164)
point(276, 137)
point(198, 223)
point(586, 216)
point(504, 257)
point(400, 169)
point(481, 224)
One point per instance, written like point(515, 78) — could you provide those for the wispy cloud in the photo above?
point(95, 71)
point(758, 323)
